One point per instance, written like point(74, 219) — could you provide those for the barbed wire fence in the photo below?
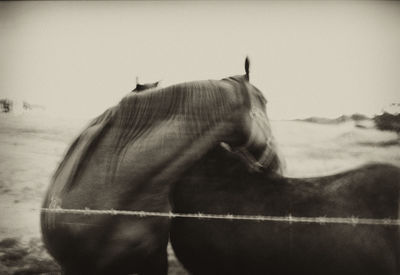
point(203, 216)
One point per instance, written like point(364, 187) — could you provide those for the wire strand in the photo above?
point(289, 219)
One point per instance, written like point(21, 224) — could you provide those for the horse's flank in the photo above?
point(220, 183)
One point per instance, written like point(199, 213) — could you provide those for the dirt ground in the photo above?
point(32, 145)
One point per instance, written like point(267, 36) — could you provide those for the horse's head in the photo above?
point(141, 87)
point(252, 138)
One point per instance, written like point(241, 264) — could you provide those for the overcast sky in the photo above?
point(309, 58)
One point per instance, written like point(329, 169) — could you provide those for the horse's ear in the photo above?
point(246, 68)
point(137, 80)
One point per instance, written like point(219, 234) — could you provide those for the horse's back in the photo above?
point(240, 247)
point(376, 184)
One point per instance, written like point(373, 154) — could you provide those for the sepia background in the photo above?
point(326, 68)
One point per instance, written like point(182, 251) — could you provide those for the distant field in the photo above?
point(313, 149)
point(31, 146)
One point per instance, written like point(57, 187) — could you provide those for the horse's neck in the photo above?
point(146, 167)
point(144, 149)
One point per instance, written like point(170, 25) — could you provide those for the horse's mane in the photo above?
point(84, 143)
point(204, 103)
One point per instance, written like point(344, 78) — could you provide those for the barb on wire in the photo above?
point(289, 219)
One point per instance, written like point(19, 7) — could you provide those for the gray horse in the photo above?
point(129, 158)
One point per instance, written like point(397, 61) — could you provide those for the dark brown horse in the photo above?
point(129, 158)
point(221, 183)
